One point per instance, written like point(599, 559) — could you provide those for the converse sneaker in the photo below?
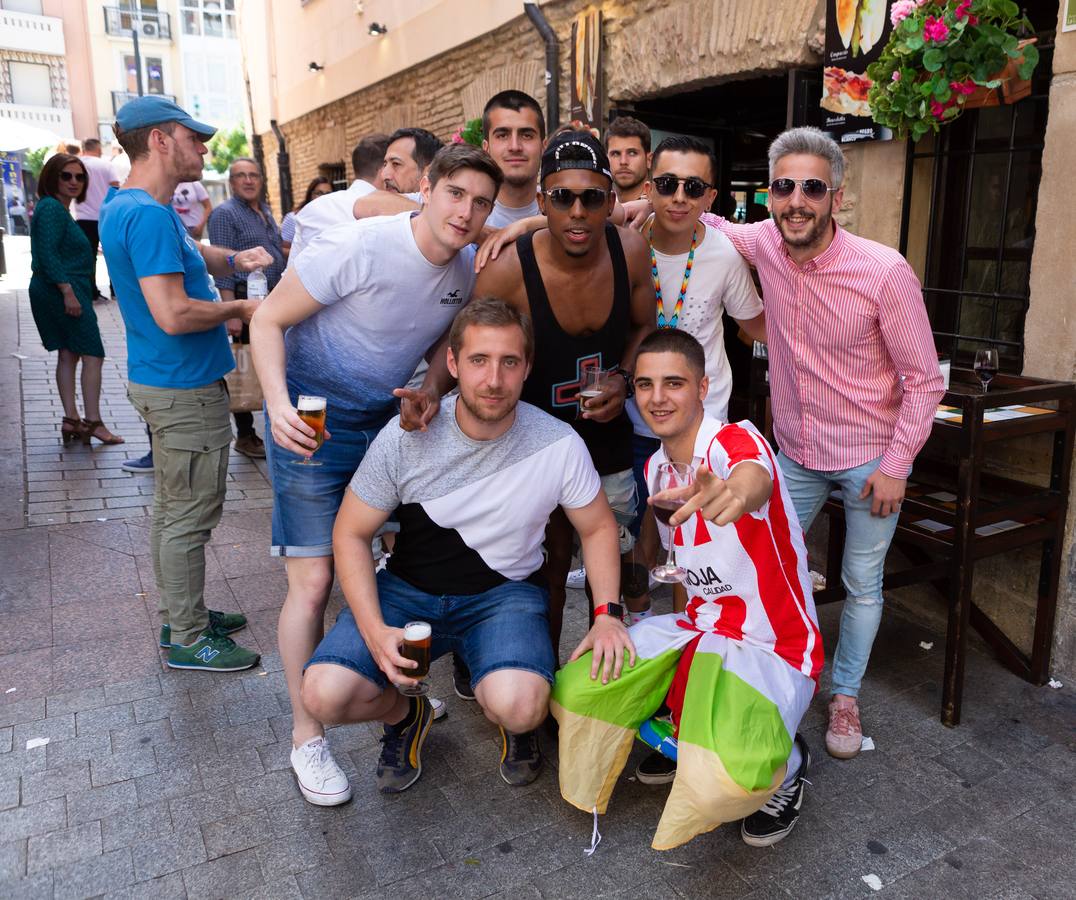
point(400, 763)
point(220, 622)
point(461, 679)
point(844, 736)
point(778, 817)
point(521, 757)
point(212, 652)
point(320, 779)
point(656, 768)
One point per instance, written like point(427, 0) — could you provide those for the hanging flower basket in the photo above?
point(945, 56)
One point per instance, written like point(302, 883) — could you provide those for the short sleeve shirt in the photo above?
point(383, 306)
point(142, 237)
point(101, 175)
point(473, 513)
point(187, 202)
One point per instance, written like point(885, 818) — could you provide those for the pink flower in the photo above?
point(896, 76)
point(937, 109)
point(922, 2)
point(900, 11)
point(457, 138)
point(962, 10)
point(935, 29)
point(967, 86)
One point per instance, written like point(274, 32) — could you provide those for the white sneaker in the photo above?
point(439, 708)
point(320, 779)
point(577, 579)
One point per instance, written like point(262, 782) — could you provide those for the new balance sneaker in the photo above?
point(656, 768)
point(461, 679)
point(400, 763)
point(220, 622)
point(844, 736)
point(521, 757)
point(212, 652)
point(778, 817)
point(320, 779)
point(139, 466)
point(577, 579)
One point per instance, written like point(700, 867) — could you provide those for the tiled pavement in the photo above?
point(162, 784)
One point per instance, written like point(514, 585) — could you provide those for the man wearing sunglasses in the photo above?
point(854, 380)
point(586, 285)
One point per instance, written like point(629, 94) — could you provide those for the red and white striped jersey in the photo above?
point(749, 580)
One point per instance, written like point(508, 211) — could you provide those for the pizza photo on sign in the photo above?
point(845, 92)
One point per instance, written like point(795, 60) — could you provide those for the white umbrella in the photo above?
point(16, 135)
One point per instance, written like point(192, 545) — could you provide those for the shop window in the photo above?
point(969, 222)
point(30, 84)
point(335, 173)
point(211, 18)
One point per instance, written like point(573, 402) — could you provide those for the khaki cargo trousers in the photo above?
point(191, 432)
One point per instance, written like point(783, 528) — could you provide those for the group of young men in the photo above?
point(494, 281)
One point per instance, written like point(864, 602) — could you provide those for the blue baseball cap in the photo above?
point(155, 110)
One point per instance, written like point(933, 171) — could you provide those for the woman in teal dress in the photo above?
point(61, 296)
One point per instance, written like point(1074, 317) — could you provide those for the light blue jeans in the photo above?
point(866, 543)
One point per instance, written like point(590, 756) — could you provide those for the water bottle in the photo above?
point(257, 285)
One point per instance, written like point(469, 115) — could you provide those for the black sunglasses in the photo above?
point(694, 188)
point(77, 176)
point(564, 199)
point(813, 188)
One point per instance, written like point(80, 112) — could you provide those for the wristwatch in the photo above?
point(610, 609)
point(628, 380)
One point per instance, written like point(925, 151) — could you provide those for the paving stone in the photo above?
point(168, 887)
point(20, 711)
point(178, 781)
point(293, 853)
point(60, 753)
point(5, 738)
point(9, 793)
point(41, 786)
point(138, 689)
point(238, 875)
point(76, 701)
point(181, 849)
point(243, 832)
point(19, 762)
point(56, 728)
point(203, 807)
point(47, 851)
point(131, 826)
point(30, 887)
point(12, 859)
point(124, 765)
point(104, 803)
point(104, 718)
point(149, 734)
point(94, 877)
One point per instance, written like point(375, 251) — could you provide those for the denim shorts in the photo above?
point(307, 498)
point(622, 494)
point(506, 627)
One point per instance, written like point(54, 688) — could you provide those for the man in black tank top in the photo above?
point(586, 285)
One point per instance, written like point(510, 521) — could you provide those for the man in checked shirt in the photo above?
point(854, 381)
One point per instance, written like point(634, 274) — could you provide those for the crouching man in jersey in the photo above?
point(739, 666)
point(474, 491)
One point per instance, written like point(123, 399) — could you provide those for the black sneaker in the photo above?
point(778, 817)
point(400, 763)
point(521, 757)
point(461, 678)
point(656, 769)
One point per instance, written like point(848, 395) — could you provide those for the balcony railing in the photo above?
point(50, 118)
point(30, 33)
point(151, 25)
point(119, 98)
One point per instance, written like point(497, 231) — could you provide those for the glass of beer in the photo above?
point(312, 411)
point(591, 385)
point(418, 636)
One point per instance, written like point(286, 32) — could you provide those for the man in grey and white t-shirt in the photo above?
point(359, 308)
point(473, 493)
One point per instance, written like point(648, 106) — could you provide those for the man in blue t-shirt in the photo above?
point(177, 356)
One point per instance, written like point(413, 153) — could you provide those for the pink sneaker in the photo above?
point(844, 736)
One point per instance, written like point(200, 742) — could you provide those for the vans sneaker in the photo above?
point(778, 817)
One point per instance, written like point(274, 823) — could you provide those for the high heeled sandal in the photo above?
point(90, 432)
point(71, 430)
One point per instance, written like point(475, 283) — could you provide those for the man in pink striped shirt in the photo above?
point(854, 381)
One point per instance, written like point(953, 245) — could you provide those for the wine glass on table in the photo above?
point(671, 477)
point(986, 366)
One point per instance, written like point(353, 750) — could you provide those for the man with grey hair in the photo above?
point(244, 221)
point(854, 381)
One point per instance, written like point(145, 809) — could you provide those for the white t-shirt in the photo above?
point(385, 305)
point(100, 175)
point(187, 202)
point(502, 216)
point(121, 165)
point(720, 280)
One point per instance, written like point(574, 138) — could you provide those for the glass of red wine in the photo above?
point(986, 366)
point(671, 477)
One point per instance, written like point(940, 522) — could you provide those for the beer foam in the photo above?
point(417, 631)
point(310, 404)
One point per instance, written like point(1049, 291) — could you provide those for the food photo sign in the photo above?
point(856, 33)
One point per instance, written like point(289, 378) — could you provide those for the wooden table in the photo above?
point(954, 516)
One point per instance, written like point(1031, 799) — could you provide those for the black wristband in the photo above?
point(628, 381)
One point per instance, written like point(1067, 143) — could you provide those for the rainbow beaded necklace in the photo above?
point(675, 318)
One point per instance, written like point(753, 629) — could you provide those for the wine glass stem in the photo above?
point(670, 560)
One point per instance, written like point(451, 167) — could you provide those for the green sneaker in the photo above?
point(220, 622)
point(212, 652)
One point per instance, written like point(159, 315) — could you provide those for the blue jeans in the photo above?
point(507, 627)
point(866, 543)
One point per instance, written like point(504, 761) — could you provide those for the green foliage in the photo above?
point(471, 133)
point(35, 160)
point(939, 54)
point(225, 147)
